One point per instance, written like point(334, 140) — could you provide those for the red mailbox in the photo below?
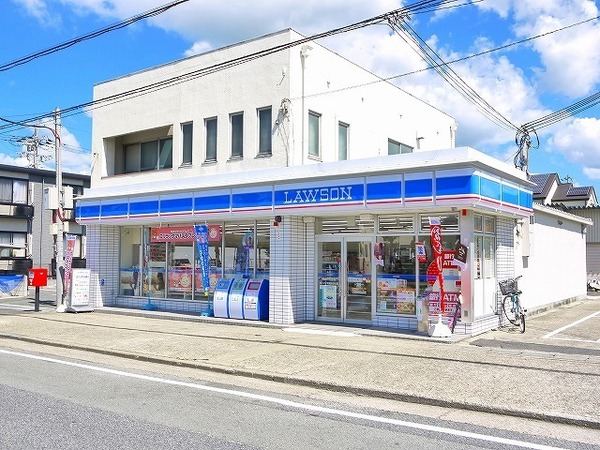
point(38, 277)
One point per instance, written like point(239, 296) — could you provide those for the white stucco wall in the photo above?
point(333, 87)
point(555, 271)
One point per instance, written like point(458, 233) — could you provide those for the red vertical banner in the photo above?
point(435, 230)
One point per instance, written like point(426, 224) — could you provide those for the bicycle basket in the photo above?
point(508, 286)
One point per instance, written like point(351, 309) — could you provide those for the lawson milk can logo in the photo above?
point(331, 194)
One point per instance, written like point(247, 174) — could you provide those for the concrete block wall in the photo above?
point(103, 262)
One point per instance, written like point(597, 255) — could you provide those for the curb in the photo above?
point(360, 391)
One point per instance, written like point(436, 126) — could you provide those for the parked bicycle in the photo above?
point(511, 303)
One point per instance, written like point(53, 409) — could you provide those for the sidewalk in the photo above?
point(558, 388)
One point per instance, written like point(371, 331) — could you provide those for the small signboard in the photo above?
point(80, 291)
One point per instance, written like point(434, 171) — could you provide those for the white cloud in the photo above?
point(578, 141)
point(39, 10)
point(570, 58)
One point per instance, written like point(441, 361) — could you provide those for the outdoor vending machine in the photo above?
point(221, 296)
point(236, 298)
point(256, 300)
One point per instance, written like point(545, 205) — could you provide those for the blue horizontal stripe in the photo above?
point(252, 199)
point(525, 199)
point(176, 205)
point(419, 188)
point(490, 189)
point(212, 202)
point(461, 185)
point(112, 210)
point(147, 207)
point(510, 195)
point(385, 190)
point(88, 211)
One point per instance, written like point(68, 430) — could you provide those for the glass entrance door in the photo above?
point(344, 279)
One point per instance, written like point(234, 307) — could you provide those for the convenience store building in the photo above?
point(312, 173)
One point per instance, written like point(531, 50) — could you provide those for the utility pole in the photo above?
point(33, 145)
point(59, 250)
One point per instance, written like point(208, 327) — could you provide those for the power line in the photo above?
point(93, 34)
point(434, 60)
point(415, 7)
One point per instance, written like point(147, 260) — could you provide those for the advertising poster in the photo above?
point(328, 296)
point(203, 255)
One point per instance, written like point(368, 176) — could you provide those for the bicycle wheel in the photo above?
point(509, 310)
point(522, 322)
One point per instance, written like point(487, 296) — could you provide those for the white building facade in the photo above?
point(308, 172)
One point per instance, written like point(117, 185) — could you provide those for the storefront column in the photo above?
point(291, 278)
point(103, 262)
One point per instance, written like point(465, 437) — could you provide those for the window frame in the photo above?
point(237, 135)
point(265, 131)
point(13, 185)
point(345, 127)
point(187, 143)
point(132, 153)
point(401, 148)
point(314, 139)
point(211, 136)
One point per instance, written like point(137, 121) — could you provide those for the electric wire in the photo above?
point(151, 13)
point(162, 84)
point(434, 60)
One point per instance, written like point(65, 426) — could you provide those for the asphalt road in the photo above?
point(57, 403)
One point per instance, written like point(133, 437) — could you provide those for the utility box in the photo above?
point(50, 199)
point(37, 277)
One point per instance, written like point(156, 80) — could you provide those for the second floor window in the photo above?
point(210, 127)
point(397, 148)
point(152, 155)
point(237, 135)
point(343, 141)
point(264, 131)
point(13, 191)
point(187, 130)
point(314, 134)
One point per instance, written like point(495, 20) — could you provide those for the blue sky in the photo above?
point(524, 82)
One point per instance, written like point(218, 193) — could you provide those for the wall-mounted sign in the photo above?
point(182, 234)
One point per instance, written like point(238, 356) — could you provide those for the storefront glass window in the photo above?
point(394, 257)
point(396, 224)
point(131, 257)
point(353, 224)
point(156, 269)
point(429, 273)
point(240, 249)
point(215, 241)
point(180, 269)
point(263, 245)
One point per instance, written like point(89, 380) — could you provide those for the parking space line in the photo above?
point(577, 322)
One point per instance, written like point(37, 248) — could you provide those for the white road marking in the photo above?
point(292, 404)
point(577, 322)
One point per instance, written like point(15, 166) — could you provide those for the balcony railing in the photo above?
point(19, 211)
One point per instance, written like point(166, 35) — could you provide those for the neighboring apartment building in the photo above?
point(26, 238)
point(309, 172)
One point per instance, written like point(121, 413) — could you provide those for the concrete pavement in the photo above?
point(556, 387)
